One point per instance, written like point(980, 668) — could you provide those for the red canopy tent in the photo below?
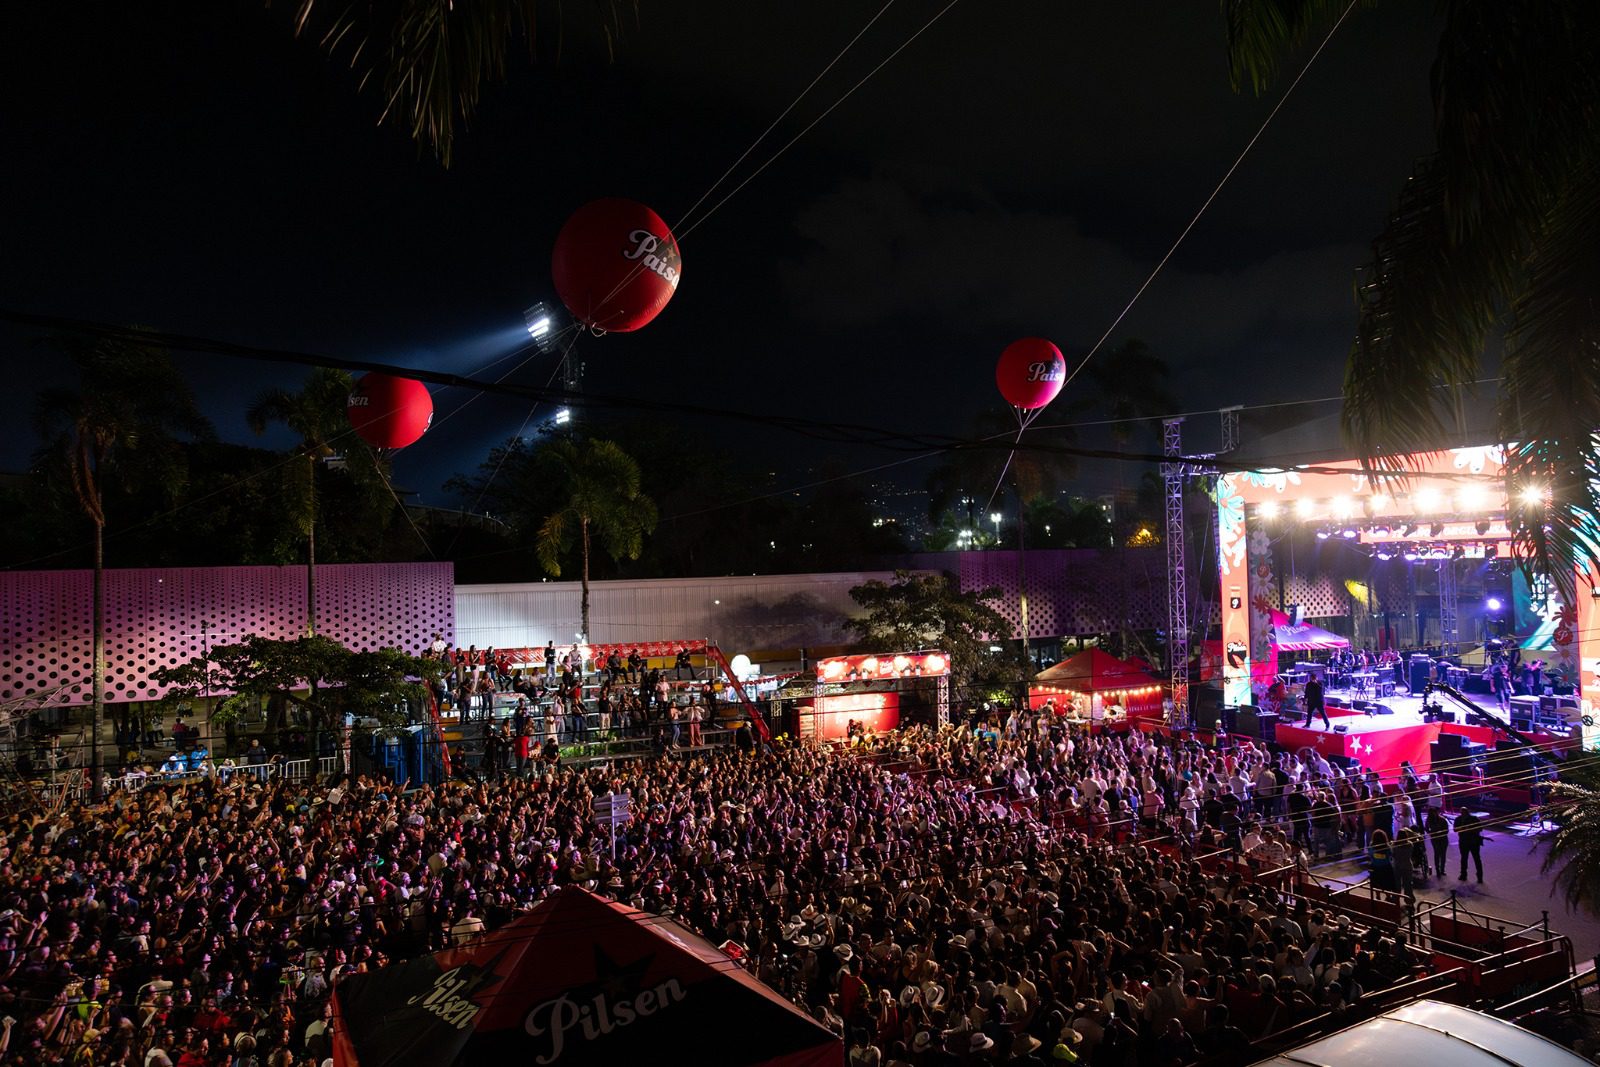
point(576, 980)
point(1093, 673)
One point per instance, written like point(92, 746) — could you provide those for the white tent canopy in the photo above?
point(1428, 1031)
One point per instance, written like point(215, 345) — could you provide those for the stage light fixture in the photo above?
point(1408, 529)
point(1493, 603)
point(1458, 552)
point(1411, 555)
point(1378, 503)
point(1269, 510)
point(1305, 507)
point(1322, 535)
point(1341, 506)
point(1349, 534)
point(1482, 526)
point(1491, 552)
point(1385, 556)
point(1425, 500)
point(1436, 530)
point(1533, 495)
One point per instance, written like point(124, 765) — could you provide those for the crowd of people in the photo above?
point(571, 700)
point(1012, 889)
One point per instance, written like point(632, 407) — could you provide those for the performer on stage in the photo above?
point(1314, 705)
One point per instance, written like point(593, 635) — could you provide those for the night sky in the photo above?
point(1017, 170)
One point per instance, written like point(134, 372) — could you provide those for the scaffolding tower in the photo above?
point(1449, 622)
point(1173, 471)
point(1176, 468)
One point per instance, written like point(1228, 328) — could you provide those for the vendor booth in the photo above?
point(576, 980)
point(1093, 678)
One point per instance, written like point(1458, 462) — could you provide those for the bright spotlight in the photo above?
point(1471, 498)
point(1378, 503)
point(1533, 495)
point(1493, 603)
point(1426, 500)
point(541, 324)
point(1305, 507)
point(563, 416)
point(1341, 507)
point(1269, 510)
point(994, 517)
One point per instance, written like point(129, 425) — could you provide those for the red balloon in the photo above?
point(616, 264)
point(389, 412)
point(1030, 373)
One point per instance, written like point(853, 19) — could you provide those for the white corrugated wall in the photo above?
point(739, 614)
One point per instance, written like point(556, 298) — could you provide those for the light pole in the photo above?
point(994, 517)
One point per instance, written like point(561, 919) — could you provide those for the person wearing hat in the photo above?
point(1025, 1050)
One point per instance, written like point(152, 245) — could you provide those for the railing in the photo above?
point(1369, 1006)
point(289, 770)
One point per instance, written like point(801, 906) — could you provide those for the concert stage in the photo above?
point(1383, 742)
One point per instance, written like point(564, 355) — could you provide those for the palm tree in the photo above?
point(431, 58)
point(1132, 382)
point(129, 402)
point(968, 477)
point(317, 414)
point(601, 500)
point(1497, 231)
point(1575, 848)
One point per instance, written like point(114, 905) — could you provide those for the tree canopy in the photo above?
point(919, 610)
point(316, 673)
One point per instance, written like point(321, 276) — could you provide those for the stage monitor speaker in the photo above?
point(1379, 708)
point(1421, 671)
point(1246, 722)
point(1341, 729)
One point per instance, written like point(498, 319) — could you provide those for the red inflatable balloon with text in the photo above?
point(389, 412)
point(1030, 373)
point(615, 264)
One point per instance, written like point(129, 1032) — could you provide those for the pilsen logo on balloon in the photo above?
point(615, 265)
point(1031, 373)
point(389, 412)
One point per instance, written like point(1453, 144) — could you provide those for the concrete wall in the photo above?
point(740, 614)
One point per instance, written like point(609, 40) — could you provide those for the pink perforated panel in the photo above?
point(45, 624)
point(163, 617)
point(1073, 591)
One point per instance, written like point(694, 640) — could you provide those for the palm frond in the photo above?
point(1425, 308)
point(1575, 849)
point(1259, 32)
point(553, 539)
point(1551, 403)
point(431, 59)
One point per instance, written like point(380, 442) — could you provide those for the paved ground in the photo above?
point(1513, 888)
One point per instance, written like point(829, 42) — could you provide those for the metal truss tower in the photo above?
point(1449, 623)
point(1173, 471)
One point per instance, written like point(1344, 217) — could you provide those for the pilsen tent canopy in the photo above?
point(1303, 638)
point(1093, 672)
point(576, 980)
point(1429, 1031)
